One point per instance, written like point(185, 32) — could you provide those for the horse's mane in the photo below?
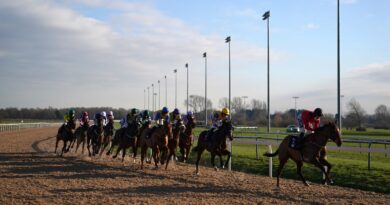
point(326, 124)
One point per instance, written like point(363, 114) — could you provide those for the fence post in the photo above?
point(231, 153)
point(257, 150)
point(369, 156)
point(270, 160)
point(326, 169)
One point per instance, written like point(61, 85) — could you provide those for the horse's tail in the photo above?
point(271, 154)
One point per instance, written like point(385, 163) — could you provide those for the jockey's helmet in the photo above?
point(318, 112)
point(110, 113)
point(134, 111)
point(145, 113)
point(85, 113)
point(165, 110)
point(176, 111)
point(103, 114)
point(72, 112)
point(226, 111)
point(189, 113)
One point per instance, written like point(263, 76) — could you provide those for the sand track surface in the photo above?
point(32, 174)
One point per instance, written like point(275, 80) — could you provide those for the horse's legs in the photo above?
point(117, 152)
point(229, 154)
point(89, 145)
point(282, 162)
point(170, 154)
point(82, 151)
point(123, 153)
point(63, 148)
point(221, 161)
point(134, 152)
point(200, 151)
point(109, 150)
point(156, 154)
point(104, 145)
point(77, 143)
point(143, 153)
point(329, 166)
point(182, 152)
point(57, 140)
point(299, 171)
point(317, 163)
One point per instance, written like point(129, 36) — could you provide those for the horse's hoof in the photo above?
point(216, 168)
point(307, 183)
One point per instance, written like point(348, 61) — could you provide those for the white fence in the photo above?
point(19, 126)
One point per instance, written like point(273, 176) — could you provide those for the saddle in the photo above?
point(296, 142)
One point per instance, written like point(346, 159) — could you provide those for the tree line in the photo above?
point(251, 113)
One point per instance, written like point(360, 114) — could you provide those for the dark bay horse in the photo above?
point(108, 133)
point(215, 144)
point(80, 134)
point(157, 139)
point(186, 139)
point(127, 137)
point(65, 133)
point(173, 142)
point(312, 152)
point(95, 134)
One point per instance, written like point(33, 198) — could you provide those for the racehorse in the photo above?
point(80, 134)
point(126, 137)
point(65, 133)
point(312, 151)
point(173, 142)
point(157, 139)
point(108, 133)
point(95, 134)
point(215, 144)
point(186, 139)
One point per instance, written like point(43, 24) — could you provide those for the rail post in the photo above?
point(257, 150)
point(369, 156)
point(270, 160)
point(231, 154)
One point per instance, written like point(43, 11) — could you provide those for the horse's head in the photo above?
point(180, 125)
point(191, 122)
point(227, 129)
point(167, 127)
point(333, 132)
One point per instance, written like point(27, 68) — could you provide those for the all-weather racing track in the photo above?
point(32, 174)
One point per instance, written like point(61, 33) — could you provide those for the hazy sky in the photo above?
point(106, 53)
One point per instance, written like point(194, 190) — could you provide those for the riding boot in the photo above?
point(300, 140)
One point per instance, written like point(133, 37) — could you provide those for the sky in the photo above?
point(87, 53)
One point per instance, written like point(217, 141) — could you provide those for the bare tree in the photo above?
point(382, 116)
point(196, 103)
point(237, 104)
point(224, 102)
point(356, 113)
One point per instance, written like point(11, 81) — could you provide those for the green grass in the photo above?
point(350, 169)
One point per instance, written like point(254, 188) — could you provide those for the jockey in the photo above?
point(308, 121)
point(84, 120)
point(97, 117)
point(174, 116)
point(218, 118)
point(110, 116)
point(145, 117)
point(123, 122)
point(70, 116)
point(132, 116)
point(161, 115)
point(188, 117)
point(104, 116)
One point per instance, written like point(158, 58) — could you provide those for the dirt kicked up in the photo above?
point(32, 174)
